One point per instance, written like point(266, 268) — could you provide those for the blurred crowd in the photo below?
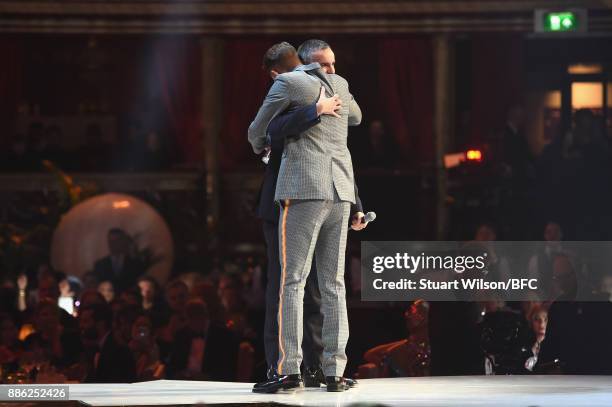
point(139, 149)
point(564, 180)
point(117, 324)
point(558, 334)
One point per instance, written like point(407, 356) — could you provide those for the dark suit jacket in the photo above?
point(288, 124)
point(220, 353)
point(116, 363)
point(132, 269)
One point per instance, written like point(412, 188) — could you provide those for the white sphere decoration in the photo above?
point(81, 236)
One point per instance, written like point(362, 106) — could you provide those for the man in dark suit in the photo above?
point(119, 267)
point(203, 350)
point(108, 360)
point(279, 59)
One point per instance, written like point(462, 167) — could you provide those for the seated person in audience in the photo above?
point(45, 286)
point(538, 319)
point(90, 280)
point(152, 303)
point(203, 350)
point(145, 350)
point(70, 288)
point(207, 291)
point(238, 318)
point(379, 150)
point(109, 361)
point(90, 297)
point(176, 295)
point(605, 287)
point(119, 267)
point(502, 333)
point(407, 357)
point(10, 345)
point(57, 342)
point(130, 296)
point(540, 264)
point(107, 290)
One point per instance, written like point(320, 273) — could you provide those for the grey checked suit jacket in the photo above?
point(319, 160)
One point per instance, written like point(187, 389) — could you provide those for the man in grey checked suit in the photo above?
point(315, 189)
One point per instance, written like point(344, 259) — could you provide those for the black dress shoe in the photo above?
point(350, 382)
point(272, 373)
point(313, 377)
point(282, 384)
point(336, 383)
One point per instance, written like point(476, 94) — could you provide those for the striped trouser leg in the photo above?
point(299, 226)
point(329, 257)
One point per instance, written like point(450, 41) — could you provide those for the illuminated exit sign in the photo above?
point(553, 21)
point(561, 21)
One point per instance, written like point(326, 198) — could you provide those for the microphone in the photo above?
point(369, 217)
point(266, 157)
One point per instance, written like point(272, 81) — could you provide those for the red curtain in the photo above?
point(178, 67)
point(497, 81)
point(11, 89)
point(406, 92)
point(245, 86)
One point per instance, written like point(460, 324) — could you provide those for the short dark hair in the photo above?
point(176, 283)
point(100, 313)
point(127, 314)
point(309, 47)
point(276, 54)
point(196, 306)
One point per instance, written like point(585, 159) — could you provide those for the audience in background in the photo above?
point(110, 360)
point(107, 290)
point(145, 350)
point(379, 151)
point(538, 320)
point(407, 357)
point(137, 150)
point(203, 350)
point(540, 264)
point(11, 347)
point(152, 302)
point(97, 151)
point(120, 266)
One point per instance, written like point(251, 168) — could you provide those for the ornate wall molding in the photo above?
point(209, 8)
point(282, 17)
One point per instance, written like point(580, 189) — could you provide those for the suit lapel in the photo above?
point(314, 69)
point(324, 79)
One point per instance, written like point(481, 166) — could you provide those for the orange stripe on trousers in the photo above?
point(283, 275)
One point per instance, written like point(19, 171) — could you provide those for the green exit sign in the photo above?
point(566, 21)
point(560, 21)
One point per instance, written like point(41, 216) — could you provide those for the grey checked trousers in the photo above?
point(308, 227)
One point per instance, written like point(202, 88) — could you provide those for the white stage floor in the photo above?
point(498, 391)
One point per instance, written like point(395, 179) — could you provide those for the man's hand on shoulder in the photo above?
point(327, 105)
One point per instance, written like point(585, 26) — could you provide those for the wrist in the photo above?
point(319, 108)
